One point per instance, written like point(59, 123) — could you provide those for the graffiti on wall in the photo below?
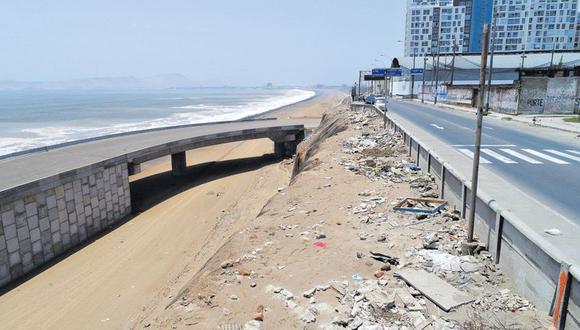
point(549, 95)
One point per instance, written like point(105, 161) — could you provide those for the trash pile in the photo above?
point(408, 267)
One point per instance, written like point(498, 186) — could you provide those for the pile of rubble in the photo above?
point(421, 279)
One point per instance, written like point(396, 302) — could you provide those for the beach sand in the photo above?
point(116, 280)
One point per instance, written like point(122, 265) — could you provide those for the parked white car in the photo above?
point(380, 103)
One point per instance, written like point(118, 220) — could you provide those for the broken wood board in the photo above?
point(441, 293)
point(420, 205)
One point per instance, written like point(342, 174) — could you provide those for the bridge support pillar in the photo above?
point(178, 164)
point(286, 147)
point(134, 168)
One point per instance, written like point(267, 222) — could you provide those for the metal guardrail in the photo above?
point(500, 225)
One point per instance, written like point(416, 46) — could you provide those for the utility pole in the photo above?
point(359, 81)
point(552, 56)
point(477, 147)
point(523, 56)
point(423, 87)
point(490, 62)
point(413, 78)
point(437, 75)
point(453, 62)
point(386, 94)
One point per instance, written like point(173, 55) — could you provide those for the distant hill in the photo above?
point(163, 81)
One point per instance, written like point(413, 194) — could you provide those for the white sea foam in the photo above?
point(200, 113)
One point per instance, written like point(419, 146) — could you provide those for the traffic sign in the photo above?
point(378, 72)
point(416, 72)
point(394, 72)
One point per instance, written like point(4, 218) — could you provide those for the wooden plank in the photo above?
point(441, 293)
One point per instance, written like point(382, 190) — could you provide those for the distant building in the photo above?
point(535, 24)
point(446, 26)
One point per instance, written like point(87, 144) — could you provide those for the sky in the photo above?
point(213, 42)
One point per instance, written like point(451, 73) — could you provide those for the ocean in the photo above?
point(31, 119)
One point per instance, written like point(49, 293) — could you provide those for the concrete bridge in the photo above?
point(52, 199)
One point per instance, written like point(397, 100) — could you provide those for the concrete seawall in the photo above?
point(43, 222)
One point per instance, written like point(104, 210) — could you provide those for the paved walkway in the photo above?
point(543, 120)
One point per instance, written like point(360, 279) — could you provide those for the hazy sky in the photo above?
point(234, 42)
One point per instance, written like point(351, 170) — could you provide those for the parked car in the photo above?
point(370, 99)
point(380, 103)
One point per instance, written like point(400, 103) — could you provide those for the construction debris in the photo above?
point(435, 289)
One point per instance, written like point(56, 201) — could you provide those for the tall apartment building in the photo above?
point(535, 24)
point(442, 25)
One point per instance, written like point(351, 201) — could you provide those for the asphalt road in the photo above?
point(542, 162)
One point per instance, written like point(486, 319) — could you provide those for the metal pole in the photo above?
point(413, 79)
point(437, 77)
point(359, 81)
point(490, 63)
point(552, 56)
point(477, 148)
point(424, 72)
point(453, 63)
point(523, 58)
point(385, 109)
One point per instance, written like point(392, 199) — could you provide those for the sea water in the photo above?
point(33, 118)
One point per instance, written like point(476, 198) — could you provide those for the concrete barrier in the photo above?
point(533, 266)
point(53, 199)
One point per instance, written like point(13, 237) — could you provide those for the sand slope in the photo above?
point(118, 279)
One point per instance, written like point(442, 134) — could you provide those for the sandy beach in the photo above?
point(120, 278)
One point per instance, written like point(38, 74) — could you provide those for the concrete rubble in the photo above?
point(381, 242)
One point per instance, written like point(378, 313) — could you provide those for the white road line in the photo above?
point(546, 157)
point(469, 154)
point(437, 126)
point(484, 145)
point(497, 156)
point(520, 156)
point(561, 154)
point(489, 128)
point(574, 152)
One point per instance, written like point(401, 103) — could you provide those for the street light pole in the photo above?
point(523, 59)
point(453, 62)
point(437, 75)
point(359, 81)
point(490, 62)
point(477, 147)
point(413, 78)
point(552, 56)
point(423, 87)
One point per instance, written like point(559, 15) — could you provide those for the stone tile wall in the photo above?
point(49, 221)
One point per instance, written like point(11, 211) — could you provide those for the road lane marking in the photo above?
point(437, 126)
point(561, 154)
point(469, 154)
point(490, 128)
point(574, 152)
point(497, 156)
point(520, 156)
point(546, 157)
point(484, 145)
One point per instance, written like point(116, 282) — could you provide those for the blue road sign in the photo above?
point(417, 72)
point(378, 72)
point(394, 72)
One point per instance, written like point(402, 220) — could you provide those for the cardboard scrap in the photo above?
point(441, 293)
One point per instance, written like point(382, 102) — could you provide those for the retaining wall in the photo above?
point(41, 222)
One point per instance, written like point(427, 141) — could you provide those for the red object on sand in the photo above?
point(320, 244)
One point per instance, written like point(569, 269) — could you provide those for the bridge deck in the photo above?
point(31, 168)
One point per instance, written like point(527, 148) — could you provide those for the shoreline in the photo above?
point(133, 270)
point(107, 136)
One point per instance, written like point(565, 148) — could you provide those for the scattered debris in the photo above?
point(420, 205)
point(435, 289)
